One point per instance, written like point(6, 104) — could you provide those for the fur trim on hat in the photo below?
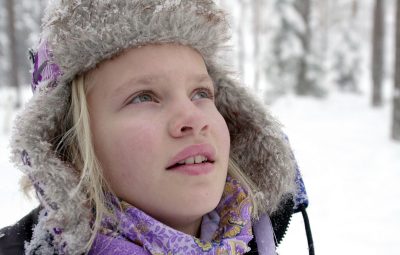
point(80, 34)
point(65, 218)
point(258, 144)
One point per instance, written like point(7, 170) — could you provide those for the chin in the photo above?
point(203, 207)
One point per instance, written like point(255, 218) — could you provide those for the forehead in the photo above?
point(147, 64)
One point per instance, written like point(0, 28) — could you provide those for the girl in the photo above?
point(139, 141)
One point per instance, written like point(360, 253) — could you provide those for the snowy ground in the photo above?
point(350, 167)
point(352, 174)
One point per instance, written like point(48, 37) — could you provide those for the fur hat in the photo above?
point(79, 34)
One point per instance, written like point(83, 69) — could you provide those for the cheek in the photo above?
point(126, 150)
point(222, 133)
point(136, 141)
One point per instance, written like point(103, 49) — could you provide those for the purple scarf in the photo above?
point(226, 230)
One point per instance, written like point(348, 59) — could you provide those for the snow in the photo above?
point(14, 204)
point(167, 5)
point(350, 167)
point(351, 170)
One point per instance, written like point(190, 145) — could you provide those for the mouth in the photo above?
point(196, 160)
point(193, 156)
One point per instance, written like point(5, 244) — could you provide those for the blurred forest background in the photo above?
point(328, 69)
point(304, 47)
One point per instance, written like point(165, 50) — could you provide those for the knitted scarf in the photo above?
point(226, 230)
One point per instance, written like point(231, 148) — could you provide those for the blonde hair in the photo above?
point(77, 147)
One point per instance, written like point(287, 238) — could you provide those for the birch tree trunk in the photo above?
point(240, 34)
point(304, 86)
point(13, 51)
point(256, 33)
point(324, 9)
point(377, 53)
point(354, 9)
point(396, 96)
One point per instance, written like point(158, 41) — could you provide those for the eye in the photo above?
point(203, 93)
point(144, 96)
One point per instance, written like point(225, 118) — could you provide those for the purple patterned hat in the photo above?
point(44, 69)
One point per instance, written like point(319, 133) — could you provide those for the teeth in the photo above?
point(189, 160)
point(197, 159)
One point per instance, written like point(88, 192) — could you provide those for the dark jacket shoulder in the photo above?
point(12, 238)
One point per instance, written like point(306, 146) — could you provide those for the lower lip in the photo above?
point(194, 169)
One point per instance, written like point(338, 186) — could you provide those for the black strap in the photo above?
point(253, 247)
point(308, 230)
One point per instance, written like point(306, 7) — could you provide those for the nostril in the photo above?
point(185, 128)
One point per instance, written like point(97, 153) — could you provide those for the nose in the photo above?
point(188, 119)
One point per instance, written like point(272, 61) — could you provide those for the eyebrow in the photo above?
point(150, 79)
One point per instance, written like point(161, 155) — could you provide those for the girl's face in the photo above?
point(151, 107)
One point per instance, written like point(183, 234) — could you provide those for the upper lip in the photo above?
point(205, 150)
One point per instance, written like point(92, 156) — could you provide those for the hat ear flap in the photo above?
point(36, 131)
point(258, 144)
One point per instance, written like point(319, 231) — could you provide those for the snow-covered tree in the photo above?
point(346, 61)
point(284, 51)
point(345, 53)
point(293, 61)
point(378, 52)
